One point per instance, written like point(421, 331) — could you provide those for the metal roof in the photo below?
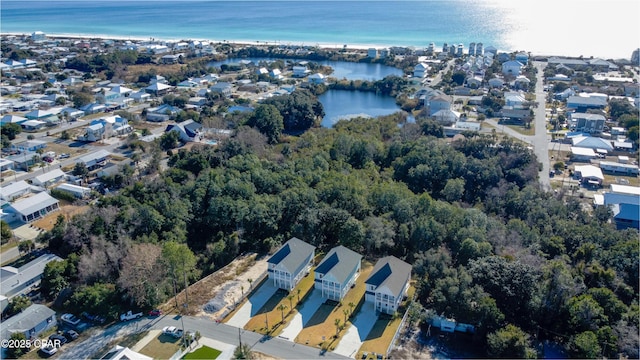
point(292, 255)
point(11, 189)
point(34, 203)
point(339, 263)
point(390, 272)
point(25, 273)
point(54, 174)
point(26, 320)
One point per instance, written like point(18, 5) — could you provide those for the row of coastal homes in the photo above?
point(337, 273)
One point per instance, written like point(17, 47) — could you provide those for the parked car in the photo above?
point(172, 331)
point(58, 339)
point(63, 156)
point(94, 318)
point(71, 335)
point(155, 312)
point(49, 350)
point(70, 319)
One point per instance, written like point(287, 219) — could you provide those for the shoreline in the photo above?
point(326, 46)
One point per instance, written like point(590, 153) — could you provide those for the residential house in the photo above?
point(625, 203)
point(591, 142)
point(95, 159)
point(589, 175)
point(12, 119)
point(372, 53)
point(140, 96)
point(6, 164)
point(300, 71)
point(105, 97)
point(37, 114)
point(29, 145)
point(570, 63)
point(421, 70)
point(107, 127)
point(619, 168)
point(161, 113)
point(388, 284)
point(158, 89)
point(565, 94)
point(337, 272)
point(521, 82)
point(316, 79)
point(122, 90)
point(14, 190)
point(439, 101)
point(446, 117)
point(474, 82)
point(583, 103)
point(93, 108)
point(31, 322)
point(79, 192)
point(290, 263)
point(512, 68)
point(18, 281)
point(33, 207)
point(189, 130)
point(522, 57)
point(496, 83)
point(579, 154)
point(276, 74)
point(49, 178)
point(197, 101)
point(172, 58)
point(223, 88)
point(514, 99)
point(588, 123)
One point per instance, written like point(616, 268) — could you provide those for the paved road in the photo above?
point(222, 332)
point(541, 138)
point(9, 255)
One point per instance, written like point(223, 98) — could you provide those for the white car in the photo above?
point(49, 350)
point(70, 319)
point(169, 330)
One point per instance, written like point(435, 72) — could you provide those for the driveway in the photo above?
point(358, 331)
point(251, 307)
point(304, 314)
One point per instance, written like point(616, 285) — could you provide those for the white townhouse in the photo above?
point(290, 263)
point(337, 272)
point(387, 284)
point(512, 67)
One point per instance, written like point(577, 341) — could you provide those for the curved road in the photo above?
point(275, 347)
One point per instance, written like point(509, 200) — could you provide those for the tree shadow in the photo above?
point(273, 301)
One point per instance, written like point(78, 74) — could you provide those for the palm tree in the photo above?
point(346, 313)
point(250, 280)
point(298, 292)
point(337, 324)
point(282, 308)
point(290, 297)
point(352, 306)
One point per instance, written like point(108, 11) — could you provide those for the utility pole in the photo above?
point(239, 338)
point(186, 285)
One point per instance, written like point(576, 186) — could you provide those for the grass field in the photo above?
point(322, 324)
point(381, 335)
point(204, 352)
point(270, 309)
point(522, 130)
point(68, 211)
point(161, 347)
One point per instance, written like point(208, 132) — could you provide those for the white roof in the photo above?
point(26, 272)
point(16, 187)
point(33, 123)
point(72, 188)
point(34, 203)
point(93, 156)
point(158, 86)
point(589, 171)
point(625, 189)
point(50, 175)
point(582, 151)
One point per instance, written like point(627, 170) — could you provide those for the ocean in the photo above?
point(563, 27)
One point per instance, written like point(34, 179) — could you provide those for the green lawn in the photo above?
point(204, 352)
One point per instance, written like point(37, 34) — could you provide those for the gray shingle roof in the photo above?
point(390, 272)
point(26, 320)
point(34, 203)
point(292, 255)
point(339, 263)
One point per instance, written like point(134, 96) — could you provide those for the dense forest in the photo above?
point(487, 246)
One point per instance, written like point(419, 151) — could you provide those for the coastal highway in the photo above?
point(275, 347)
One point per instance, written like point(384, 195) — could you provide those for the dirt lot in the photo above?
point(218, 291)
point(47, 222)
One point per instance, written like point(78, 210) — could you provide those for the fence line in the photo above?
point(395, 336)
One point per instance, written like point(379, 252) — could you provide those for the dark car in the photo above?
point(57, 337)
point(71, 335)
point(93, 318)
point(155, 312)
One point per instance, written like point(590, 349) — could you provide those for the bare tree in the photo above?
point(141, 273)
